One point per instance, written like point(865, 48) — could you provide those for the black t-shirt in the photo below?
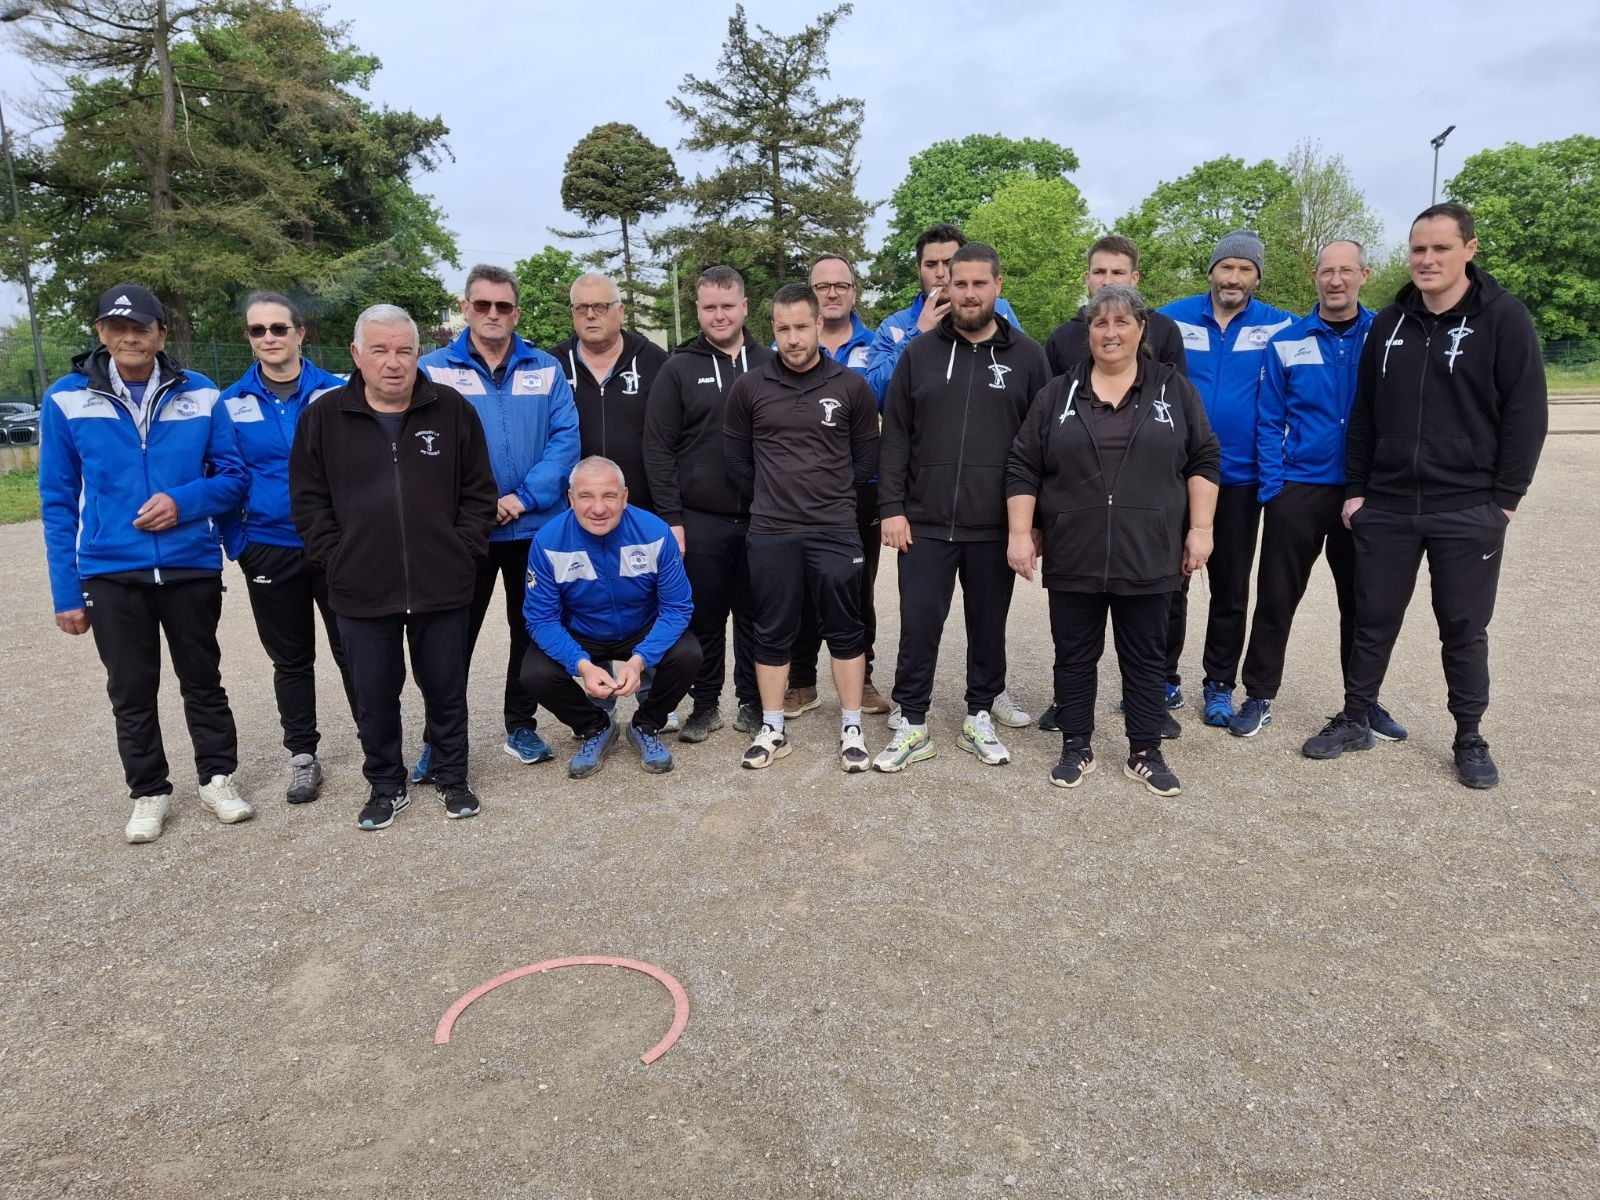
point(282, 390)
point(391, 421)
point(1112, 428)
point(1341, 326)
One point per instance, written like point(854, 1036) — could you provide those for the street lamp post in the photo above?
point(16, 13)
point(1437, 143)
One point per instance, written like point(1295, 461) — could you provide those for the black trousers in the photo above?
point(1300, 523)
point(1139, 628)
point(548, 681)
point(1232, 554)
point(375, 648)
point(821, 567)
point(808, 642)
point(1464, 555)
point(1177, 629)
point(287, 591)
point(128, 622)
point(507, 564)
point(928, 573)
point(714, 559)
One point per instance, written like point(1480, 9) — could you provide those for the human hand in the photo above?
point(508, 508)
point(1021, 553)
point(597, 682)
point(1351, 507)
point(73, 621)
point(895, 532)
point(1196, 550)
point(677, 535)
point(157, 513)
point(933, 311)
point(629, 676)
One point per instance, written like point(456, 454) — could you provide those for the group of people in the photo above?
point(630, 504)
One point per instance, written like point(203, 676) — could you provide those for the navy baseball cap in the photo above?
point(130, 301)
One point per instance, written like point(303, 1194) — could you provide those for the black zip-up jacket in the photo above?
point(1122, 535)
point(611, 414)
point(801, 445)
point(398, 524)
point(1451, 409)
point(683, 429)
point(1069, 344)
point(952, 408)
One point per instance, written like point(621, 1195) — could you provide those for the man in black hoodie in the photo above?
point(394, 496)
point(1449, 419)
point(954, 404)
point(692, 493)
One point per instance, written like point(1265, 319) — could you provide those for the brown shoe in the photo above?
point(799, 700)
point(872, 700)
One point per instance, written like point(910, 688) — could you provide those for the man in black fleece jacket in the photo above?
point(692, 493)
point(1449, 419)
point(954, 403)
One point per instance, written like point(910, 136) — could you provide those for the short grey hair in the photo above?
point(1117, 297)
point(1361, 251)
point(384, 314)
point(595, 277)
point(488, 273)
point(595, 462)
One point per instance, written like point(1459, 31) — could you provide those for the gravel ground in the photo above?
point(1298, 980)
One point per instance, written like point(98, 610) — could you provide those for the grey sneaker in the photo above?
point(978, 739)
point(305, 778)
point(1005, 711)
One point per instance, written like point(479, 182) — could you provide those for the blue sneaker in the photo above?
point(1385, 726)
point(653, 756)
point(591, 756)
point(1174, 696)
point(1219, 704)
point(1254, 715)
point(423, 771)
point(527, 747)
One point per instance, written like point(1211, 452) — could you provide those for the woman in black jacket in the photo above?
point(1100, 475)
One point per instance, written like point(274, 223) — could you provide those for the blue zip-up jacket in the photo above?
point(605, 589)
point(529, 419)
point(854, 352)
point(896, 333)
point(1225, 366)
point(97, 467)
point(1303, 409)
point(264, 426)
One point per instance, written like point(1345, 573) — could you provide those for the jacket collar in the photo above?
point(312, 377)
point(775, 370)
point(459, 352)
point(353, 396)
point(1315, 324)
point(860, 335)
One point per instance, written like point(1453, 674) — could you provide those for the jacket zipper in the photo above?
point(405, 556)
point(961, 449)
point(1422, 382)
point(144, 459)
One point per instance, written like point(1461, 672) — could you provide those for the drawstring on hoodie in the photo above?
point(1394, 340)
point(744, 363)
point(1067, 412)
point(951, 365)
point(572, 362)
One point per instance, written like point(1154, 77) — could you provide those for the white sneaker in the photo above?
point(895, 720)
point(672, 725)
point(910, 744)
point(149, 814)
point(766, 748)
point(222, 798)
point(853, 756)
point(1005, 711)
point(978, 739)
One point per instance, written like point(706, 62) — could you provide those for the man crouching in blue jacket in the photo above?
point(606, 586)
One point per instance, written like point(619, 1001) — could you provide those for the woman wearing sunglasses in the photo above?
point(283, 584)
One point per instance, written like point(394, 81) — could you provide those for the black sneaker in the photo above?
point(380, 811)
point(1077, 760)
point(1474, 767)
point(458, 800)
point(748, 719)
point(704, 720)
point(1337, 736)
point(1047, 720)
point(1150, 769)
point(1170, 728)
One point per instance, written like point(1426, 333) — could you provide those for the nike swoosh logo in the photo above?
point(1490, 555)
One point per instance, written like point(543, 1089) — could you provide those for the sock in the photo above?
point(849, 717)
point(775, 719)
point(1466, 729)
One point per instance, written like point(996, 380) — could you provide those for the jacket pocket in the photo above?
point(1448, 459)
point(930, 497)
point(1075, 543)
point(1391, 456)
point(1144, 545)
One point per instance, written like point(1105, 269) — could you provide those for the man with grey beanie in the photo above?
point(1225, 333)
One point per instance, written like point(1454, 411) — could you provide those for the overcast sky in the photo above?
point(1140, 98)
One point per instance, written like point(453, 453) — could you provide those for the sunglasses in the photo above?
point(503, 307)
point(598, 309)
point(276, 329)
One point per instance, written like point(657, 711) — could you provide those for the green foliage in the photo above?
point(19, 496)
point(1390, 273)
point(1042, 230)
point(543, 280)
point(944, 184)
point(1322, 204)
point(1538, 216)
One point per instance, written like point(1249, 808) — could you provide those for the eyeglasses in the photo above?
point(276, 329)
point(598, 309)
point(503, 307)
point(832, 289)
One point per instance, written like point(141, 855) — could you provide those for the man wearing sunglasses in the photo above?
point(531, 423)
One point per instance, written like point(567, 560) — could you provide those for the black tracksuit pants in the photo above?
point(1233, 553)
point(1464, 555)
point(128, 621)
point(808, 642)
point(714, 559)
point(287, 591)
point(928, 573)
point(1300, 523)
point(548, 682)
point(375, 648)
point(1139, 628)
point(1177, 628)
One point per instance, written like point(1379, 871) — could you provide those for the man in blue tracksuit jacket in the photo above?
point(606, 586)
point(531, 423)
point(136, 459)
point(1225, 333)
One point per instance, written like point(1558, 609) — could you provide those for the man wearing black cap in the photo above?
point(136, 457)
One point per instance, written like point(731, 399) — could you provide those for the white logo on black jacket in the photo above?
point(829, 405)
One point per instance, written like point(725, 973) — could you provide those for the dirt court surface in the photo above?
point(1347, 979)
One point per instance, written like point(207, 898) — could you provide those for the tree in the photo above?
point(1538, 218)
point(543, 282)
point(1042, 230)
point(944, 184)
point(1178, 224)
point(616, 174)
point(1322, 204)
point(786, 190)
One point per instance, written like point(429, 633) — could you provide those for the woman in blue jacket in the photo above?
point(286, 588)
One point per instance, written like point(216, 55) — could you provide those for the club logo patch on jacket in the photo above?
point(1195, 337)
point(634, 561)
point(1457, 335)
point(567, 566)
point(534, 381)
point(630, 382)
point(244, 409)
point(428, 437)
point(829, 407)
point(999, 371)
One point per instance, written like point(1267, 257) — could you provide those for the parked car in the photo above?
point(19, 423)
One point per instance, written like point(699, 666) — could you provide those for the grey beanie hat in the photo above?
point(1241, 243)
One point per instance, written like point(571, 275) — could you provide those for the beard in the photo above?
point(972, 319)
